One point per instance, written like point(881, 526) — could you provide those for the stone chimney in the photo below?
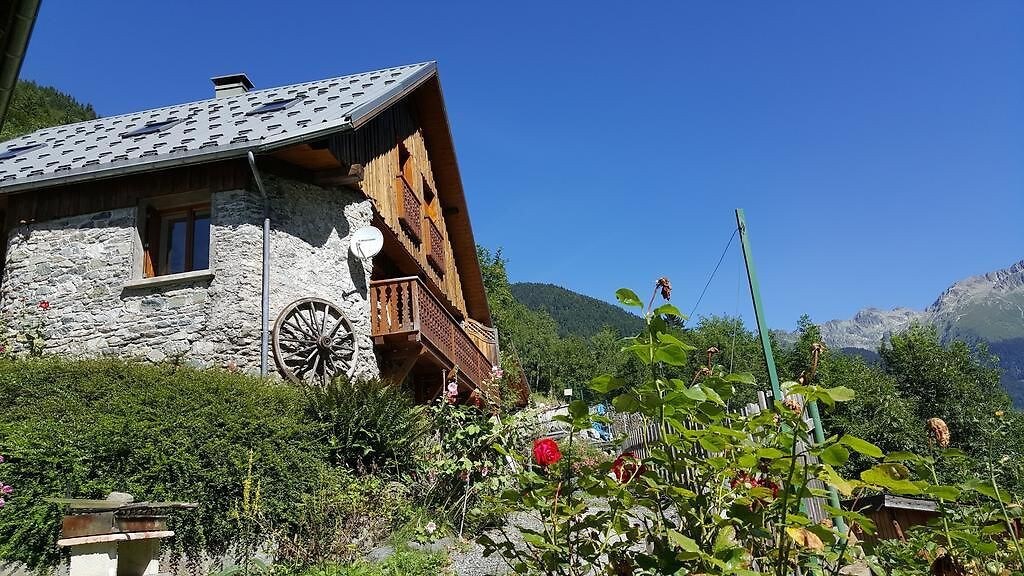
point(231, 85)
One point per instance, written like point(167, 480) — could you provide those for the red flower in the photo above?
point(546, 452)
point(744, 480)
point(626, 467)
point(44, 304)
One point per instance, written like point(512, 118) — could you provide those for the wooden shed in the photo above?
point(892, 515)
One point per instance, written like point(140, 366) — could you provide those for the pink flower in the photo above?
point(431, 527)
point(2, 502)
point(452, 393)
point(6, 489)
point(1, 459)
point(44, 304)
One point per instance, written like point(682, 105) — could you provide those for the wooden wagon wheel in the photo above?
point(314, 342)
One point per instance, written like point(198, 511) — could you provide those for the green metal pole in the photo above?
point(769, 358)
point(755, 294)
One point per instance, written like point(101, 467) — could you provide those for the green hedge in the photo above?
point(85, 428)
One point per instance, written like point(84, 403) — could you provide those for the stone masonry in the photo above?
point(87, 269)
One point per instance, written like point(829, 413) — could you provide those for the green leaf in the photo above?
point(695, 393)
point(902, 457)
point(685, 542)
point(578, 409)
point(672, 354)
point(606, 383)
point(893, 477)
point(835, 455)
point(829, 476)
point(863, 446)
point(670, 339)
point(950, 493)
point(670, 310)
point(770, 453)
point(627, 297)
point(741, 378)
point(839, 393)
point(626, 403)
point(986, 489)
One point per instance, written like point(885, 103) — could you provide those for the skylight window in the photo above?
point(273, 106)
point(151, 128)
point(18, 150)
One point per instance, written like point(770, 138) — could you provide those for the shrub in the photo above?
point(86, 428)
point(370, 425)
point(402, 563)
point(344, 516)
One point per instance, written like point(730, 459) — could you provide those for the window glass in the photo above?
point(177, 229)
point(201, 242)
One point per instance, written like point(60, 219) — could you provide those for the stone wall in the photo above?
point(87, 269)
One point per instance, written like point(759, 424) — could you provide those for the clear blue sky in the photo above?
point(877, 147)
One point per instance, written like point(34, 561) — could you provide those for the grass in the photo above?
point(404, 562)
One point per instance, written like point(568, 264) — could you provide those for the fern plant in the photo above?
point(367, 425)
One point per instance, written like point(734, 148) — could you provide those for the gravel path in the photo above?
point(471, 560)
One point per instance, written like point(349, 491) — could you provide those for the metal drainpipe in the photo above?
point(265, 336)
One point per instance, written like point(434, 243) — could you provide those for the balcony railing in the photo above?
point(405, 307)
point(410, 211)
point(436, 254)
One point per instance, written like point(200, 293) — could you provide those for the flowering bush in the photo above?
point(5, 489)
point(719, 491)
point(456, 467)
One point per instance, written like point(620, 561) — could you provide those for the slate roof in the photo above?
point(205, 130)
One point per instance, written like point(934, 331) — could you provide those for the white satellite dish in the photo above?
point(366, 242)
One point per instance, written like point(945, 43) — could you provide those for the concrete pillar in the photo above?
point(138, 558)
point(98, 559)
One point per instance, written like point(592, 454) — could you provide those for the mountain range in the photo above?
point(988, 308)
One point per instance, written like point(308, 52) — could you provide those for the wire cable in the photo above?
point(713, 272)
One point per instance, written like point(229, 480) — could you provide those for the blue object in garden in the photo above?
point(602, 429)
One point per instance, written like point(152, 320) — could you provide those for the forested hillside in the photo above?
point(35, 107)
point(573, 312)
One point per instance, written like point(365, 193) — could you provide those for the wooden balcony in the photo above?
point(407, 319)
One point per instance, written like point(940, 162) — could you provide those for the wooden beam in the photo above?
point(406, 362)
point(351, 176)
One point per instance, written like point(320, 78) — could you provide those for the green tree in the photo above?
point(35, 107)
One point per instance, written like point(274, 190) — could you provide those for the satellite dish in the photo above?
point(366, 242)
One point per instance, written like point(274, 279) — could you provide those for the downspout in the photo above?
point(265, 318)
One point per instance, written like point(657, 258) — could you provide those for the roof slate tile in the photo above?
point(84, 150)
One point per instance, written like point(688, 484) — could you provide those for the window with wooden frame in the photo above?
point(176, 239)
point(410, 208)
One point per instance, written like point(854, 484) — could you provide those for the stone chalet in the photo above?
point(220, 233)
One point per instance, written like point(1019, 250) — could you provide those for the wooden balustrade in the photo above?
point(405, 307)
point(410, 210)
point(436, 254)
